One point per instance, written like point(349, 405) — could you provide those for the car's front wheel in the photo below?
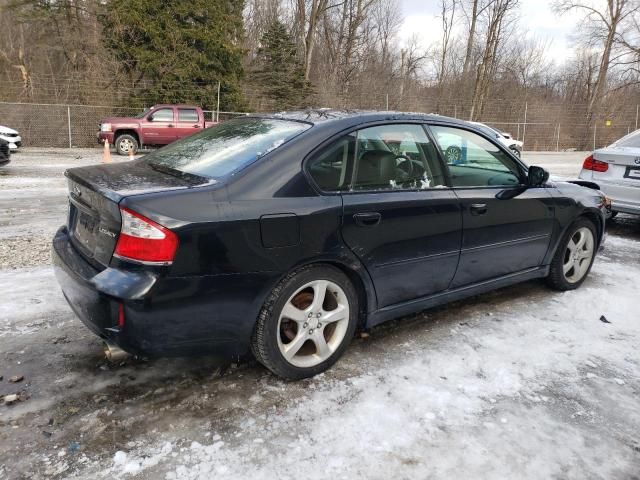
point(574, 257)
point(126, 143)
point(307, 322)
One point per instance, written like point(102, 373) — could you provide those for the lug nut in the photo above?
point(319, 325)
point(311, 331)
point(318, 315)
point(305, 325)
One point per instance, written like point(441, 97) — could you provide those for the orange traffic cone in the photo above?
point(131, 155)
point(106, 154)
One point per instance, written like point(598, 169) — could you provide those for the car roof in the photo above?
point(328, 115)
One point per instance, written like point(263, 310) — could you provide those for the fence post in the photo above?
point(524, 126)
point(637, 116)
point(595, 128)
point(558, 140)
point(455, 111)
point(218, 105)
point(387, 99)
point(69, 124)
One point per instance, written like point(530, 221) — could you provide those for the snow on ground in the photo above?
point(523, 382)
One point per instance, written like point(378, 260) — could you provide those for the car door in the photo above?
point(398, 217)
point(189, 122)
point(158, 128)
point(507, 226)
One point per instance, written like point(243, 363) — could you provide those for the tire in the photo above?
point(125, 142)
point(295, 348)
point(453, 154)
point(570, 265)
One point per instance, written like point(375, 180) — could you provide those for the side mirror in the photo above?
point(537, 177)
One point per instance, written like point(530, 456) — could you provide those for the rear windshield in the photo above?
point(221, 150)
point(632, 140)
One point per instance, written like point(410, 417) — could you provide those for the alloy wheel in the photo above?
point(313, 323)
point(578, 255)
point(126, 145)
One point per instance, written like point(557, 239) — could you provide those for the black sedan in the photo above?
point(282, 234)
point(5, 153)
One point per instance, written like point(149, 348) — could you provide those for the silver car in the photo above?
point(616, 169)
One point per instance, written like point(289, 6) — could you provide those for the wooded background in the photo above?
point(64, 64)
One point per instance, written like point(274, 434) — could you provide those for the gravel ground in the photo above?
point(519, 383)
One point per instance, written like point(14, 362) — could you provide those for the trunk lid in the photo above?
point(619, 156)
point(624, 165)
point(94, 194)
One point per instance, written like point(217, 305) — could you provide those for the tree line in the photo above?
point(280, 54)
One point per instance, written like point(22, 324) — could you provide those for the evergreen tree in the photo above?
point(279, 73)
point(179, 50)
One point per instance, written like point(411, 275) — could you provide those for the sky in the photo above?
point(536, 17)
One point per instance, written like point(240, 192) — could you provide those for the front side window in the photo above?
point(221, 150)
point(473, 161)
point(162, 115)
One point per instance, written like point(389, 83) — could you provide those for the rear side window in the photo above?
point(221, 150)
point(188, 115)
point(473, 161)
point(333, 167)
point(385, 157)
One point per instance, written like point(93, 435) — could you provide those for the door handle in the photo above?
point(478, 208)
point(169, 126)
point(367, 219)
point(196, 126)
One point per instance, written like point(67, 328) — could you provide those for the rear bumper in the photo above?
point(95, 309)
point(164, 316)
point(624, 198)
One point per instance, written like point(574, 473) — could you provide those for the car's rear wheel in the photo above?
point(574, 257)
point(126, 143)
point(307, 322)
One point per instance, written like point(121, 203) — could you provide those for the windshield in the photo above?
point(141, 115)
point(632, 140)
point(221, 150)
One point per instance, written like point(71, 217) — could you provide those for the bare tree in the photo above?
point(447, 17)
point(602, 27)
point(497, 17)
point(477, 8)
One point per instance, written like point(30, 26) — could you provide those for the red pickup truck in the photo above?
point(158, 125)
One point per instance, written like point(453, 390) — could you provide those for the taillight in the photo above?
point(143, 240)
point(595, 165)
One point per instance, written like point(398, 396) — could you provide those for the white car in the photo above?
point(504, 138)
point(11, 136)
point(616, 170)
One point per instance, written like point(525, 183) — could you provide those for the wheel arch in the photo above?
point(126, 131)
point(359, 278)
point(597, 220)
point(592, 215)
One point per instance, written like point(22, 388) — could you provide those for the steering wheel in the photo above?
point(406, 165)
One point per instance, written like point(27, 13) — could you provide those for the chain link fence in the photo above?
point(540, 126)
